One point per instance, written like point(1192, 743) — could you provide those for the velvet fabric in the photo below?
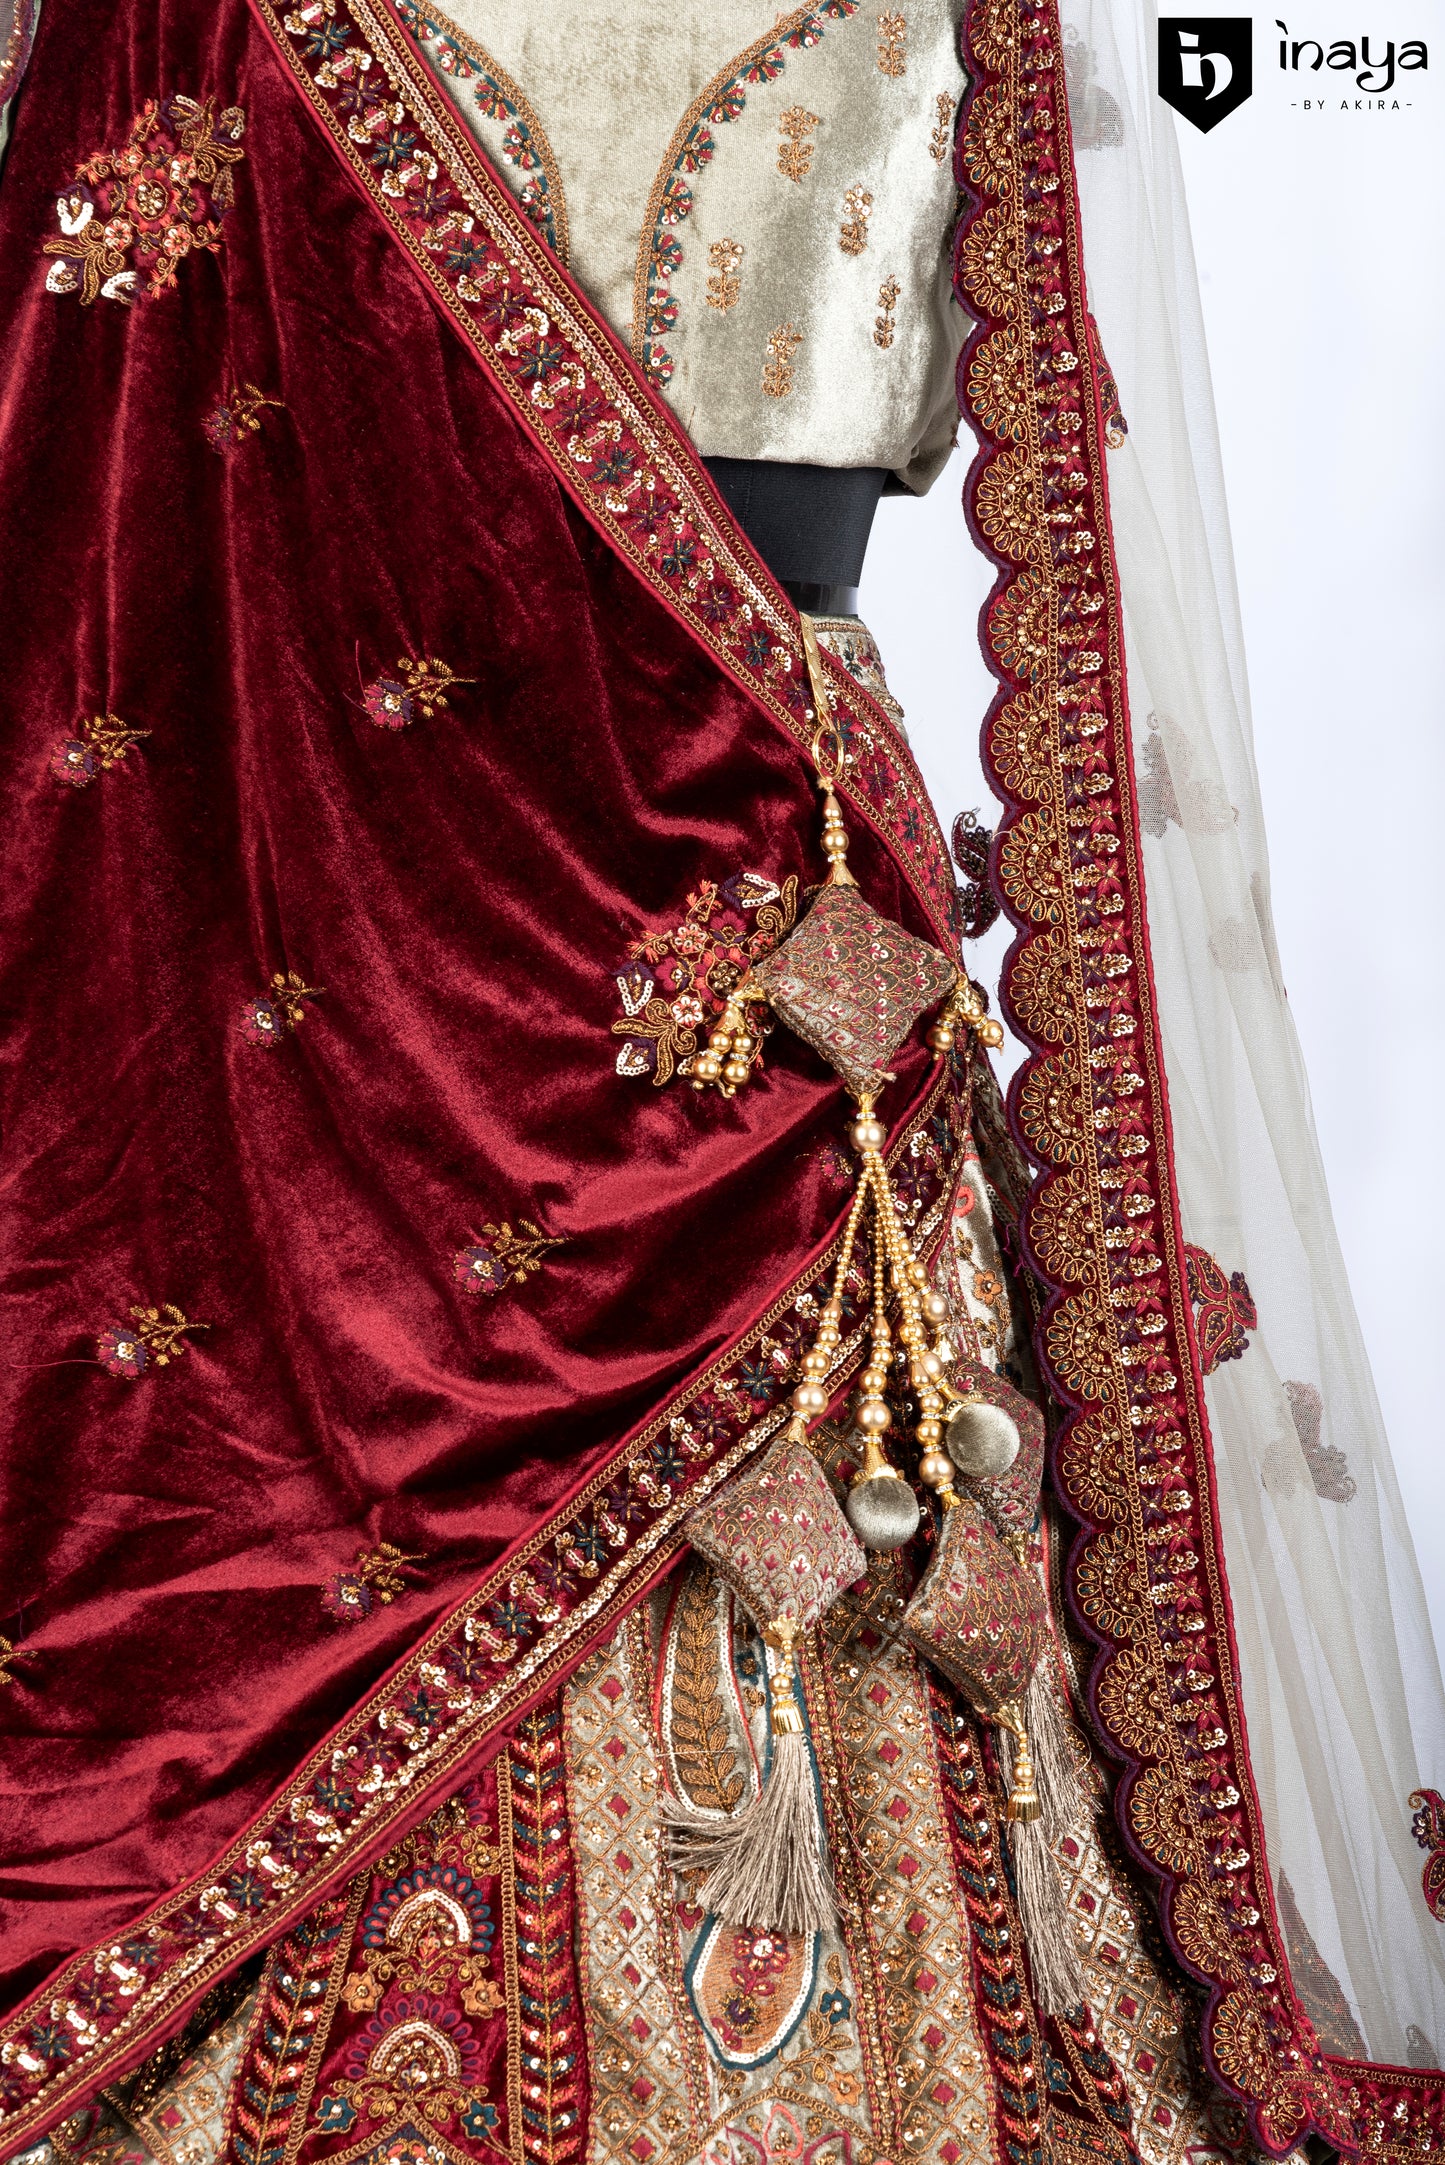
point(456, 893)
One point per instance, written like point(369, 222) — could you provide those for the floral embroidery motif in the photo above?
point(268, 1019)
point(675, 984)
point(375, 1576)
point(795, 152)
point(1328, 1465)
point(130, 215)
point(893, 44)
point(8, 1653)
point(427, 1717)
point(941, 140)
point(103, 742)
point(778, 368)
point(1428, 1828)
point(428, 1929)
point(724, 287)
point(524, 143)
point(234, 419)
point(498, 1257)
point(394, 702)
point(883, 323)
point(418, 2054)
point(1223, 1309)
point(654, 309)
point(853, 232)
point(153, 1334)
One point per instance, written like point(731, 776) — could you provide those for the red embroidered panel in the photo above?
point(302, 1007)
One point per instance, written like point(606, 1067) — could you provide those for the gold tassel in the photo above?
point(765, 1867)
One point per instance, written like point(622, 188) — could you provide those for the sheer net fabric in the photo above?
point(1342, 1685)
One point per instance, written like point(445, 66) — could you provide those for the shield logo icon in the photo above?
point(1206, 65)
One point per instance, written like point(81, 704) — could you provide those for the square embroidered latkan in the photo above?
point(978, 1615)
point(778, 1537)
point(852, 984)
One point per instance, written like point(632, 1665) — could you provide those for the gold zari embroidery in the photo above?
point(778, 369)
point(724, 287)
point(795, 152)
point(893, 43)
point(853, 232)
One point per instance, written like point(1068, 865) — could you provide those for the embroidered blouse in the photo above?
point(762, 210)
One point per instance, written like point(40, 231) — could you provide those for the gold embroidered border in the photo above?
point(614, 445)
point(513, 94)
point(386, 1764)
point(1133, 1459)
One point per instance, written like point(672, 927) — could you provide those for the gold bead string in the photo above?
point(811, 1396)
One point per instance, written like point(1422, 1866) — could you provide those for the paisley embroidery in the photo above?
point(1428, 1828)
point(152, 1335)
point(130, 215)
point(420, 687)
point(103, 742)
point(675, 984)
point(749, 1990)
point(1329, 1467)
point(234, 419)
point(267, 1020)
point(1223, 1309)
point(498, 1257)
point(375, 1576)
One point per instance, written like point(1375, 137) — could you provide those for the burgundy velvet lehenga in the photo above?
point(388, 696)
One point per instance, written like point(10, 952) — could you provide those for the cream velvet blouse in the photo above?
point(762, 207)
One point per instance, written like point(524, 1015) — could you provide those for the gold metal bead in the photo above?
point(929, 1433)
point(815, 1363)
point(941, 1038)
point(873, 1381)
point(935, 1468)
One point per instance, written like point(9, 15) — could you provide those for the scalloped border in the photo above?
point(1132, 1460)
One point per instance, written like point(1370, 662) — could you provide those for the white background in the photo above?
point(1317, 236)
